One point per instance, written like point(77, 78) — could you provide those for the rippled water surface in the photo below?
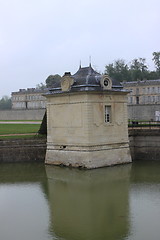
point(39, 202)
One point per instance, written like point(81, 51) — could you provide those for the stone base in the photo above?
point(89, 159)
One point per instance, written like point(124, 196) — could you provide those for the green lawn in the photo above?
point(18, 128)
point(21, 121)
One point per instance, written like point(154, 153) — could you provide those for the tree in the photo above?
point(5, 103)
point(153, 75)
point(118, 70)
point(41, 86)
point(49, 82)
point(138, 69)
point(52, 79)
point(156, 59)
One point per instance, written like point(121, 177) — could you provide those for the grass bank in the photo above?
point(7, 129)
point(21, 121)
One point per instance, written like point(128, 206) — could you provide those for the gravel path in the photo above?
point(18, 134)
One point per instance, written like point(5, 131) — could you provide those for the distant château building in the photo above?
point(143, 92)
point(30, 98)
point(144, 99)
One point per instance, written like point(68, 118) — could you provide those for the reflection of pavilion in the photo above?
point(89, 205)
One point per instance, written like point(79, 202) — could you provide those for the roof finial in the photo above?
point(80, 65)
point(89, 61)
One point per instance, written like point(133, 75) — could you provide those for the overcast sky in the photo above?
point(43, 37)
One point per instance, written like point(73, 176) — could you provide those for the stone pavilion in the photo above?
point(87, 123)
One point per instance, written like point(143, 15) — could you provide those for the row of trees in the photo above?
point(137, 69)
point(5, 103)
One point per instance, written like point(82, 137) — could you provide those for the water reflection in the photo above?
point(24, 212)
point(145, 201)
point(145, 172)
point(89, 204)
point(40, 202)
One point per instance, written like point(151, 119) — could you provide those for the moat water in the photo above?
point(40, 202)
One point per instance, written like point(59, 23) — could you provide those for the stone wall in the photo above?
point(143, 111)
point(145, 144)
point(36, 114)
point(22, 150)
point(139, 111)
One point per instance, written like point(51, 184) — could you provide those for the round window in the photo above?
point(106, 82)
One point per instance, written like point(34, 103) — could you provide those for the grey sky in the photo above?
point(43, 37)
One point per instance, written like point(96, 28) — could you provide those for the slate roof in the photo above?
point(30, 90)
point(141, 83)
point(87, 76)
point(85, 79)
